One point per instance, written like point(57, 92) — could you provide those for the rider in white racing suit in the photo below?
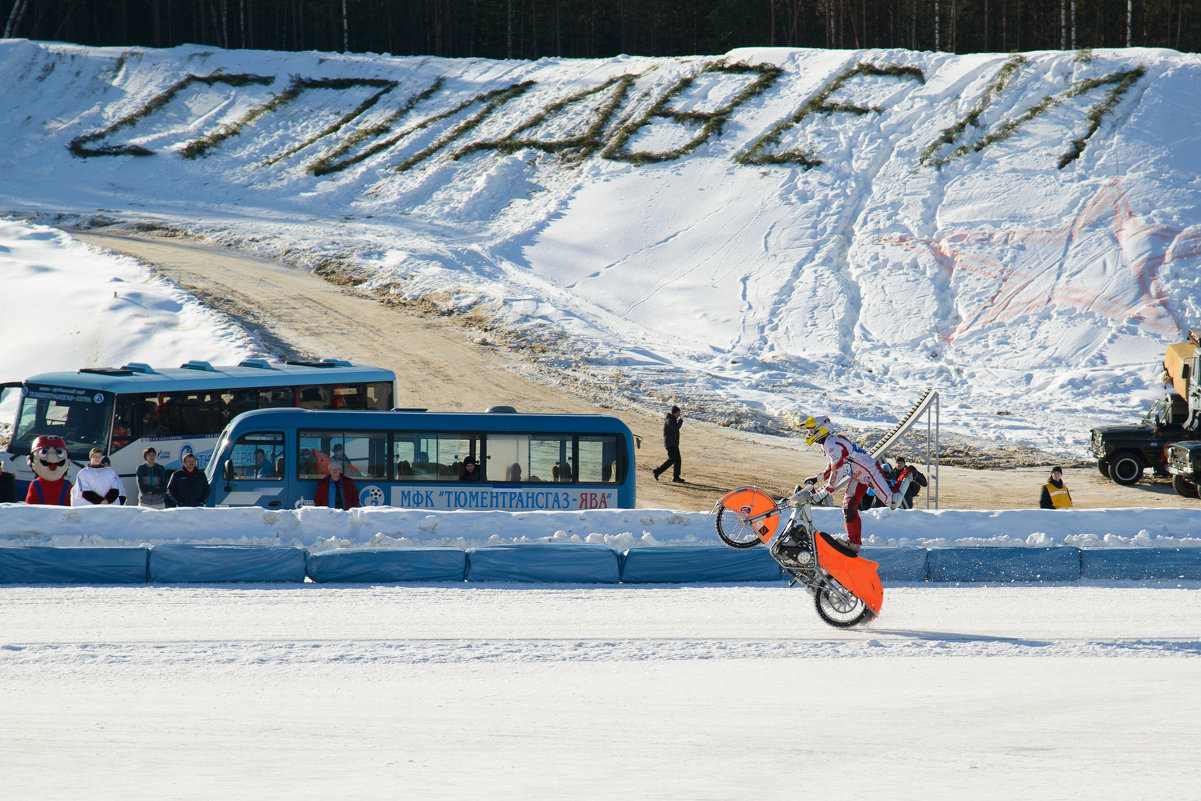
point(845, 456)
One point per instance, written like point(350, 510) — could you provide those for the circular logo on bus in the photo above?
point(372, 496)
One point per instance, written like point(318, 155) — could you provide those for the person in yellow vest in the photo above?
point(1055, 494)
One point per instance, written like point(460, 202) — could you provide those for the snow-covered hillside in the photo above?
point(757, 234)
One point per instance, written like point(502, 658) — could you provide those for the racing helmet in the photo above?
point(816, 429)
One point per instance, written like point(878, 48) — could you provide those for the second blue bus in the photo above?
point(415, 459)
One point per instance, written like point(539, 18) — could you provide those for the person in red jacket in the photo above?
point(48, 459)
point(336, 490)
point(907, 481)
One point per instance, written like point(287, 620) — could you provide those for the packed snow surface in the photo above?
point(759, 235)
point(504, 692)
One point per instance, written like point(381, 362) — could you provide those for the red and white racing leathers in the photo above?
point(846, 455)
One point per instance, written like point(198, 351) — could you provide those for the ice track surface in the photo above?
point(660, 692)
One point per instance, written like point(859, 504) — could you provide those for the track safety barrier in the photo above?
point(573, 563)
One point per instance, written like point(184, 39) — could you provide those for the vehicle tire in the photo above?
point(1126, 468)
point(1103, 467)
point(839, 608)
point(1185, 487)
point(733, 530)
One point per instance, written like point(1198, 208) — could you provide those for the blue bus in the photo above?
point(416, 459)
point(123, 410)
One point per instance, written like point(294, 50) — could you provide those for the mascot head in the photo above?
point(48, 458)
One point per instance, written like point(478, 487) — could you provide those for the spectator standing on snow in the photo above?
point(152, 481)
point(8, 485)
point(336, 490)
point(1055, 495)
point(907, 481)
point(671, 442)
point(97, 484)
point(187, 487)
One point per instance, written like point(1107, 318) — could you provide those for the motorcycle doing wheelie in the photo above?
point(846, 587)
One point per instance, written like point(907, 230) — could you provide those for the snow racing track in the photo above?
point(510, 691)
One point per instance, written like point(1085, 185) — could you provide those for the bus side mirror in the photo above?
point(227, 471)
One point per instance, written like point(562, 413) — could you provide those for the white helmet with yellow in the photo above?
point(816, 429)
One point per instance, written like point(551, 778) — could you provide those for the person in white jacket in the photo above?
point(97, 484)
point(844, 456)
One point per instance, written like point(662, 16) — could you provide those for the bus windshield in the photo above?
point(80, 416)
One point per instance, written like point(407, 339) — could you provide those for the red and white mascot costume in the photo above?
point(845, 456)
point(49, 461)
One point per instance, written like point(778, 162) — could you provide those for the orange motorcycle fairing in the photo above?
point(857, 574)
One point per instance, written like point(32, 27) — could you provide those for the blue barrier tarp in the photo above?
point(44, 564)
point(898, 564)
point(544, 561)
point(1141, 563)
point(1003, 564)
point(388, 564)
point(703, 563)
point(179, 563)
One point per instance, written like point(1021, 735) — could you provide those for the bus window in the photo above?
point(509, 458)
point(551, 457)
point(275, 397)
point(378, 396)
point(598, 461)
point(80, 417)
point(258, 456)
point(362, 454)
point(315, 397)
point(433, 456)
point(375, 396)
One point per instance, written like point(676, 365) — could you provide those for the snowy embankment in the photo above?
point(759, 234)
point(323, 529)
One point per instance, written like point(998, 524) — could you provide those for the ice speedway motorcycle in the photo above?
point(846, 588)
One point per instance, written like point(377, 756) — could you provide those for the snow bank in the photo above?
point(319, 529)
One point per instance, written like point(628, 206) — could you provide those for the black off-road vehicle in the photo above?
point(1124, 452)
point(1184, 463)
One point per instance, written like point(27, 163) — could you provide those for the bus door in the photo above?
point(254, 472)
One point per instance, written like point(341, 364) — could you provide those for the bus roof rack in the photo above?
point(321, 363)
point(197, 365)
point(107, 370)
point(500, 410)
point(261, 364)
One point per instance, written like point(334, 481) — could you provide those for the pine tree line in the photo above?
point(531, 29)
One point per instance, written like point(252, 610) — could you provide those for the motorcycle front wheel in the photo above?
point(840, 609)
point(734, 531)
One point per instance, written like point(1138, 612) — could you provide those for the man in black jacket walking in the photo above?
point(671, 441)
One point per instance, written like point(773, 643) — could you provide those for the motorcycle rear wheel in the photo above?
point(841, 609)
point(734, 531)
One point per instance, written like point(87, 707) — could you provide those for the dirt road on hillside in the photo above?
point(443, 365)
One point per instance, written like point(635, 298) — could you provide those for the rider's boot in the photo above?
point(853, 547)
